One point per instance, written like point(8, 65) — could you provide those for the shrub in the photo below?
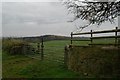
point(94, 61)
point(14, 46)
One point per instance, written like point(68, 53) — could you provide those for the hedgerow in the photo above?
point(15, 46)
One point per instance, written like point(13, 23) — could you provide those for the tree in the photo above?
point(95, 11)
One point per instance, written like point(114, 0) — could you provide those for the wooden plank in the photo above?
point(80, 40)
point(71, 37)
point(105, 37)
point(91, 36)
point(96, 32)
point(42, 48)
point(116, 35)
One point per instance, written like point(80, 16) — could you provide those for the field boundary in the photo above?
point(116, 36)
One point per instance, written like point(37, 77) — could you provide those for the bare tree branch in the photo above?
point(95, 12)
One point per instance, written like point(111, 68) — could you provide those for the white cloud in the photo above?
point(30, 0)
point(39, 18)
point(26, 16)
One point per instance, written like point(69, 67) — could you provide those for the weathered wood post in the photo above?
point(66, 54)
point(116, 36)
point(42, 48)
point(119, 22)
point(71, 37)
point(38, 48)
point(91, 37)
point(24, 49)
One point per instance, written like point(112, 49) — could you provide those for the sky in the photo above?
point(41, 18)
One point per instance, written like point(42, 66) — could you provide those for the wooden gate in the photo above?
point(36, 51)
point(54, 52)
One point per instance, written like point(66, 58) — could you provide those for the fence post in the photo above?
point(116, 36)
point(118, 33)
point(24, 48)
point(66, 55)
point(91, 37)
point(71, 37)
point(42, 46)
point(38, 48)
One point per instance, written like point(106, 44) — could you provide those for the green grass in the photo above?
point(23, 67)
point(96, 41)
point(20, 66)
point(104, 41)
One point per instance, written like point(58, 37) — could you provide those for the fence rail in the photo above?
point(116, 36)
point(96, 32)
point(37, 52)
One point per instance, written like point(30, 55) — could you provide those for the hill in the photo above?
point(45, 38)
point(49, 38)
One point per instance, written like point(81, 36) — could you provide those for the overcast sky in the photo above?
point(41, 18)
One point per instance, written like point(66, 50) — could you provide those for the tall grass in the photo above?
point(14, 46)
point(21, 66)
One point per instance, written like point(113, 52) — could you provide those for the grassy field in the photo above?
point(20, 66)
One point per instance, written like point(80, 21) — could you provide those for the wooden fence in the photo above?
point(42, 47)
point(37, 50)
point(115, 31)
